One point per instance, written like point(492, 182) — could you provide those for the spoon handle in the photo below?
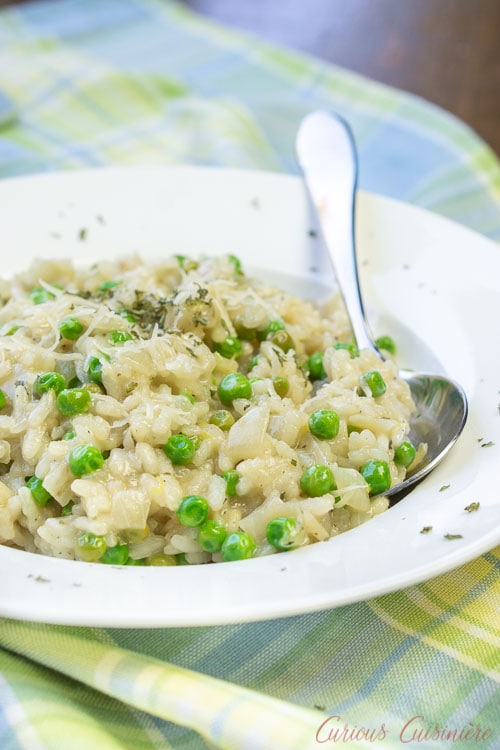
point(328, 158)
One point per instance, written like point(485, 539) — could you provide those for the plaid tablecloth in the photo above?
point(96, 82)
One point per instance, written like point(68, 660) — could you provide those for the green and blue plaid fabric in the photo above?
point(101, 82)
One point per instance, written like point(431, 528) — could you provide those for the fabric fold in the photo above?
point(111, 82)
point(221, 712)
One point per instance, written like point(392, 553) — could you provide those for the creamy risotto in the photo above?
point(182, 412)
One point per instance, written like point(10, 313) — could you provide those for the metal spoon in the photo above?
point(327, 155)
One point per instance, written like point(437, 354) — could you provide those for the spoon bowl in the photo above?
point(328, 158)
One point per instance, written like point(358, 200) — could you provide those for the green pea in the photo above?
point(181, 559)
point(94, 388)
point(238, 270)
point(192, 510)
point(71, 401)
point(117, 338)
point(47, 381)
point(94, 370)
point(245, 333)
point(69, 435)
point(231, 479)
point(40, 295)
point(233, 386)
point(70, 328)
point(117, 555)
point(405, 453)
point(211, 535)
point(160, 559)
point(3, 399)
point(132, 536)
point(189, 396)
point(126, 315)
point(132, 561)
point(317, 480)
point(85, 459)
point(285, 533)
point(90, 547)
point(67, 509)
point(180, 449)
point(281, 339)
point(386, 343)
point(230, 348)
point(237, 546)
point(324, 424)
point(10, 331)
point(254, 361)
point(315, 366)
point(223, 419)
point(107, 285)
point(350, 346)
point(374, 382)
point(187, 264)
point(377, 475)
point(74, 382)
point(281, 386)
point(272, 327)
point(38, 491)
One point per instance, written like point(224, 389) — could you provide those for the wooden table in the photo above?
point(447, 51)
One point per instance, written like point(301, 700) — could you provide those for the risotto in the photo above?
point(180, 412)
